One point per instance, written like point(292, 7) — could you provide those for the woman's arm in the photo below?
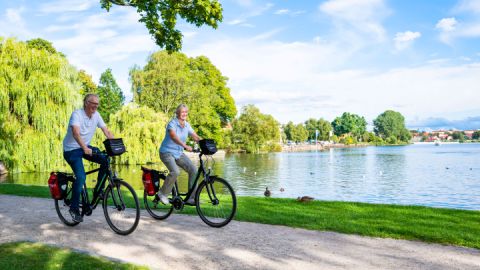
point(177, 140)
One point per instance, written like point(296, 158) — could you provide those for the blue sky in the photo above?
point(295, 59)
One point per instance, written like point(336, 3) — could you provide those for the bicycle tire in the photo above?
point(115, 208)
point(156, 210)
point(216, 213)
point(63, 206)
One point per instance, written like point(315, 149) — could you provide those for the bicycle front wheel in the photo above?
point(63, 206)
point(121, 208)
point(216, 202)
point(155, 208)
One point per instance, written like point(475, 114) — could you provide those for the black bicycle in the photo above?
point(119, 200)
point(215, 199)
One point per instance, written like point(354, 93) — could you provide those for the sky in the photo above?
point(294, 60)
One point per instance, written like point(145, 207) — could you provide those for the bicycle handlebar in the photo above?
point(98, 152)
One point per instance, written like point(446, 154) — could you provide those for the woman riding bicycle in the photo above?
point(81, 128)
point(171, 153)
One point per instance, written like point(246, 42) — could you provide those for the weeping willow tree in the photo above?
point(142, 130)
point(38, 92)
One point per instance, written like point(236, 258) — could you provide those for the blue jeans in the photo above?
point(75, 160)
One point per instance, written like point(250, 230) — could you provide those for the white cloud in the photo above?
point(61, 6)
point(253, 11)
point(362, 16)
point(468, 6)
point(235, 22)
point(446, 24)
point(13, 24)
point(282, 12)
point(451, 29)
point(103, 40)
point(297, 80)
point(404, 40)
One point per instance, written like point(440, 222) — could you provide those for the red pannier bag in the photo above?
point(58, 183)
point(151, 180)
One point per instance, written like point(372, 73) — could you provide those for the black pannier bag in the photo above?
point(208, 146)
point(114, 147)
point(57, 184)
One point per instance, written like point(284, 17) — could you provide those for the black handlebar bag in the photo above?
point(208, 146)
point(114, 147)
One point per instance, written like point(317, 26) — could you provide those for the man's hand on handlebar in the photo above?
point(87, 151)
point(188, 148)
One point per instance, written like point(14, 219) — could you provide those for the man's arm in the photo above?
point(107, 133)
point(78, 138)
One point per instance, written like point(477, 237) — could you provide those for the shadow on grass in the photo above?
point(26, 255)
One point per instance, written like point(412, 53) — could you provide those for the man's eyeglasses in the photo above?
point(93, 103)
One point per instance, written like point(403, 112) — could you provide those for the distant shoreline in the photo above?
point(318, 147)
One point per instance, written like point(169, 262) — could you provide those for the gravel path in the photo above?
point(186, 242)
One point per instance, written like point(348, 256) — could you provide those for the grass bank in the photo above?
point(437, 225)
point(26, 255)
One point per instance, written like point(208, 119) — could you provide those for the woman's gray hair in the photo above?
point(87, 96)
point(179, 108)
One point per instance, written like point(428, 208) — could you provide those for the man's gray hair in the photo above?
point(88, 96)
point(179, 108)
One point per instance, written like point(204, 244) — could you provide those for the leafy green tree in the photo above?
point(160, 17)
point(458, 135)
point(170, 79)
point(289, 130)
point(41, 44)
point(324, 128)
point(348, 140)
point(299, 133)
point(254, 131)
point(164, 82)
point(391, 124)
point(212, 82)
point(311, 125)
point(476, 135)
point(110, 94)
point(88, 86)
point(38, 92)
point(349, 123)
point(142, 130)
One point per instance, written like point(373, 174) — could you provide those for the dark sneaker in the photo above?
point(156, 199)
point(76, 215)
point(190, 201)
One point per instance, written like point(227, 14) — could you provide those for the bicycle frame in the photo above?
point(201, 171)
point(90, 205)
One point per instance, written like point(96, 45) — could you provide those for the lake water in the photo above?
point(440, 176)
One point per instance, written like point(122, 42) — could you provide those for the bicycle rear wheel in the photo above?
point(216, 202)
point(63, 206)
point(121, 208)
point(156, 209)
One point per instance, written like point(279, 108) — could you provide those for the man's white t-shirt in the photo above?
point(87, 125)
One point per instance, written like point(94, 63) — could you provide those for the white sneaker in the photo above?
point(163, 198)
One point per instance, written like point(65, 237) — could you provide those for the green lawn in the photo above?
point(438, 225)
point(26, 255)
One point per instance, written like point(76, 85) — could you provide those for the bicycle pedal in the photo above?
point(156, 199)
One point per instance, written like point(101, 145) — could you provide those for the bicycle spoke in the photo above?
point(121, 208)
point(216, 202)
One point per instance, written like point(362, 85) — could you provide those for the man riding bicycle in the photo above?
point(76, 146)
